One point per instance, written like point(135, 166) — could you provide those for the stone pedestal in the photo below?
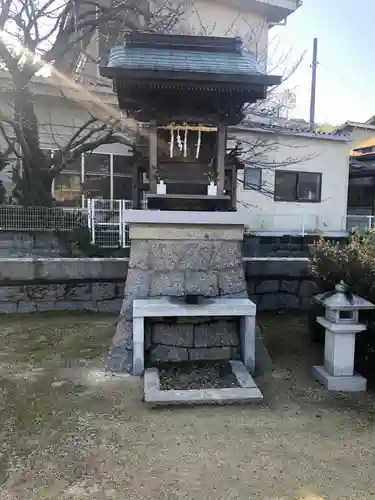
point(337, 374)
point(175, 253)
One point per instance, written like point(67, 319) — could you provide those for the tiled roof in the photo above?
point(136, 58)
point(291, 130)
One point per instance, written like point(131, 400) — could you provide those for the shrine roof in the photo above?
point(185, 55)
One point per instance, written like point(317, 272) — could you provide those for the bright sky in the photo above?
point(346, 71)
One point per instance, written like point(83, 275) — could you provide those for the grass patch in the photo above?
point(35, 412)
point(55, 337)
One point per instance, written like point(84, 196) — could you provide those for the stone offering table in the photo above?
point(177, 253)
point(218, 307)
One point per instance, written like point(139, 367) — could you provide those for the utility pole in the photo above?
point(314, 66)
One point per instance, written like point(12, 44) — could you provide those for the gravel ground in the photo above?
point(204, 375)
point(68, 432)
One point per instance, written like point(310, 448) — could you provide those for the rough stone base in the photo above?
point(192, 339)
point(355, 383)
point(173, 268)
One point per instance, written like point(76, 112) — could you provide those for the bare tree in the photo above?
point(40, 34)
point(54, 34)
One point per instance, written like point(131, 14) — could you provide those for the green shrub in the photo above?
point(353, 263)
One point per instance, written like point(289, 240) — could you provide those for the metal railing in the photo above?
point(282, 223)
point(360, 223)
point(108, 227)
point(106, 224)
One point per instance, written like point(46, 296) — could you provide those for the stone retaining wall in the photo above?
point(280, 284)
point(28, 285)
point(93, 297)
point(92, 284)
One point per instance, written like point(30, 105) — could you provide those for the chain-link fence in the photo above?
point(41, 219)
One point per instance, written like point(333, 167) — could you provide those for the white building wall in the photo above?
point(329, 157)
point(212, 18)
point(59, 119)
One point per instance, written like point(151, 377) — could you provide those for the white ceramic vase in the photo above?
point(212, 189)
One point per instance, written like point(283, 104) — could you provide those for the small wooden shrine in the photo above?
point(187, 90)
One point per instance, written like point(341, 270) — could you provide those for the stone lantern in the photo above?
point(341, 325)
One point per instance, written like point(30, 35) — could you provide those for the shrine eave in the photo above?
point(177, 58)
point(243, 82)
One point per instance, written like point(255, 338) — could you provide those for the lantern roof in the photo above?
point(342, 299)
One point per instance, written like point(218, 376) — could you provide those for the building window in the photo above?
point(298, 186)
point(67, 189)
point(252, 178)
point(94, 175)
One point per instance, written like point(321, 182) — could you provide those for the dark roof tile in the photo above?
point(192, 61)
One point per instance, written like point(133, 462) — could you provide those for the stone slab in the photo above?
point(155, 397)
point(218, 306)
point(242, 375)
point(354, 383)
point(184, 218)
point(168, 353)
point(185, 232)
point(25, 270)
point(341, 328)
point(173, 334)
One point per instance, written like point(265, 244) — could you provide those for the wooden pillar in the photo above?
point(220, 163)
point(135, 187)
point(234, 188)
point(153, 156)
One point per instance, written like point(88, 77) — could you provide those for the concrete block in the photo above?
point(8, 307)
point(201, 282)
point(353, 383)
point(16, 270)
point(137, 283)
point(165, 255)
point(226, 254)
point(210, 353)
point(11, 292)
point(109, 306)
point(139, 255)
point(216, 334)
point(167, 284)
point(103, 291)
point(24, 306)
point(288, 301)
point(289, 286)
point(267, 286)
point(196, 256)
point(232, 281)
point(162, 353)
point(173, 334)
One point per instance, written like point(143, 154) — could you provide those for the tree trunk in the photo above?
point(33, 182)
